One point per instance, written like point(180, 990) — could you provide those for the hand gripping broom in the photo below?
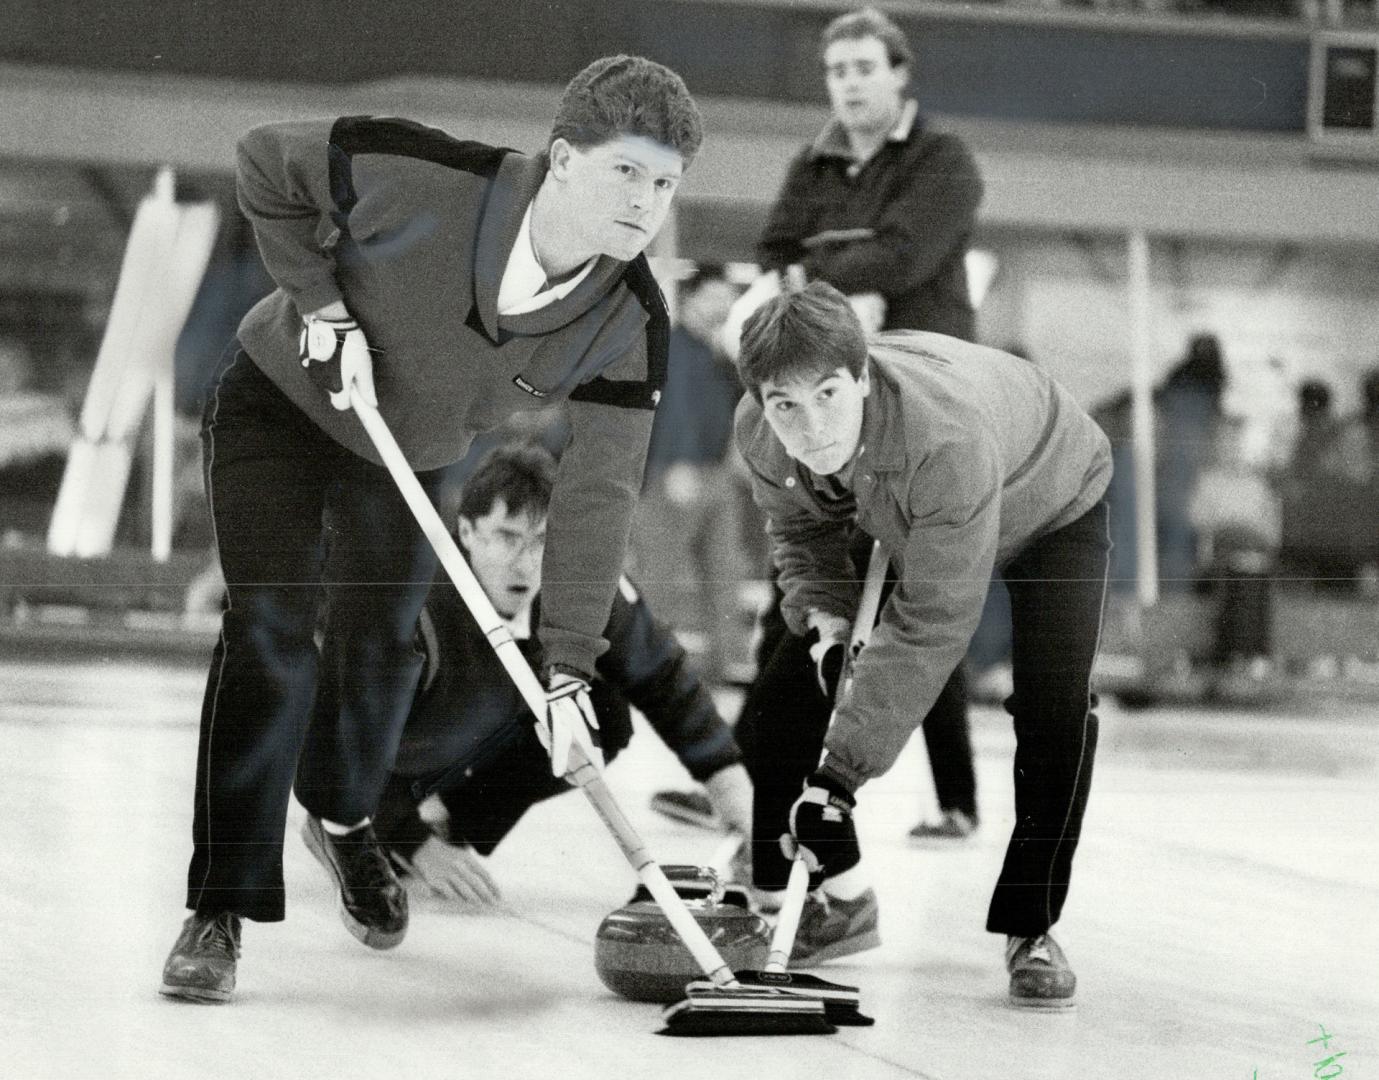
point(842, 1003)
point(748, 1010)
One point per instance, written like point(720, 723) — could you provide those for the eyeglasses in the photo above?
point(511, 543)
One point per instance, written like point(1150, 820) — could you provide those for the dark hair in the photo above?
point(801, 332)
point(868, 22)
point(521, 474)
point(628, 95)
point(1314, 396)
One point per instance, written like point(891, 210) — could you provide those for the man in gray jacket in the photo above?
point(957, 458)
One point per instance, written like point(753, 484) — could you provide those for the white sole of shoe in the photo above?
point(199, 994)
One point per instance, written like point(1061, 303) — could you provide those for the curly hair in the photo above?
point(628, 95)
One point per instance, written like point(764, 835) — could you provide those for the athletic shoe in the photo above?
point(830, 928)
point(690, 807)
point(201, 966)
point(951, 825)
point(373, 903)
point(1040, 977)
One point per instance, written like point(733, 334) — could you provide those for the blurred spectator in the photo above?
point(1328, 528)
point(686, 540)
point(1237, 517)
point(1187, 410)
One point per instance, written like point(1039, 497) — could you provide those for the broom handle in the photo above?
point(583, 773)
point(783, 940)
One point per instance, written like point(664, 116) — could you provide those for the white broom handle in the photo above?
point(783, 940)
point(450, 555)
point(870, 601)
point(582, 773)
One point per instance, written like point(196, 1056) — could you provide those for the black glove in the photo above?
point(822, 830)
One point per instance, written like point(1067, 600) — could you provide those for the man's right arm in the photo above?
point(283, 188)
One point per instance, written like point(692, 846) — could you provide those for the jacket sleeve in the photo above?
point(283, 187)
point(916, 232)
point(598, 483)
point(929, 620)
point(648, 666)
point(789, 222)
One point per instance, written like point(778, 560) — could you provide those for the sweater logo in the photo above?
point(522, 384)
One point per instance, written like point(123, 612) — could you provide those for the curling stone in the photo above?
point(638, 954)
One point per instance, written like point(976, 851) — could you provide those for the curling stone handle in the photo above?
point(783, 940)
point(703, 878)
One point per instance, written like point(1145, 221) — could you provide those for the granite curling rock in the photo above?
point(639, 956)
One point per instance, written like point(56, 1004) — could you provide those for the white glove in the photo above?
point(336, 355)
point(452, 872)
point(730, 792)
point(569, 721)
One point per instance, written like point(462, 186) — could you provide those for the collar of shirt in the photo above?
point(523, 288)
point(833, 140)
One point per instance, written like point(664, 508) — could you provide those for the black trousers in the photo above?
point(297, 518)
point(1057, 589)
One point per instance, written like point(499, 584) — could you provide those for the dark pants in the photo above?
point(1057, 591)
point(297, 517)
point(1057, 598)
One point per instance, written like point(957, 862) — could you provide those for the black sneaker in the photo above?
point(830, 928)
point(201, 966)
point(691, 807)
point(373, 903)
point(1040, 977)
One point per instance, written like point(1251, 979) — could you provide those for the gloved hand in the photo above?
point(569, 720)
point(336, 356)
point(822, 830)
point(730, 793)
point(452, 872)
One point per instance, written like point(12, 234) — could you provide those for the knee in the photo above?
point(271, 622)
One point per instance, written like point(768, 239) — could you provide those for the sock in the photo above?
point(848, 885)
point(343, 830)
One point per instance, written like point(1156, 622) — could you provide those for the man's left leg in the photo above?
point(1057, 589)
point(378, 573)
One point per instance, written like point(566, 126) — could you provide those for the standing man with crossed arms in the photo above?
point(451, 283)
point(883, 209)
